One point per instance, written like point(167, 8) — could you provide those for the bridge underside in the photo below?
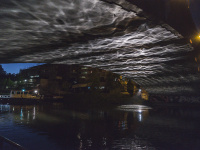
point(114, 35)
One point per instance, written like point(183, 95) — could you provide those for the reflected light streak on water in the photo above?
point(135, 108)
point(34, 112)
point(139, 110)
point(21, 114)
point(28, 116)
point(4, 108)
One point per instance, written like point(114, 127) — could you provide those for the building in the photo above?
point(52, 80)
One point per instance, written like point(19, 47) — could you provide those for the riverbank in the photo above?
point(88, 100)
point(95, 100)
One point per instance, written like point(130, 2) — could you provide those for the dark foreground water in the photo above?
point(53, 127)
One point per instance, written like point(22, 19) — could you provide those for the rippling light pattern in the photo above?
point(109, 34)
point(41, 22)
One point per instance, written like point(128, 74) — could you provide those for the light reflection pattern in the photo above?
point(4, 108)
point(41, 22)
point(21, 114)
point(139, 111)
point(134, 108)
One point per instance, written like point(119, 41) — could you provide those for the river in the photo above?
point(55, 127)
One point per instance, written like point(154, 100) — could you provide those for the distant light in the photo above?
point(140, 90)
point(23, 90)
point(36, 91)
point(190, 41)
point(25, 80)
point(195, 59)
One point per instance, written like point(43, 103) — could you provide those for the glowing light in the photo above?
point(139, 92)
point(134, 108)
point(198, 37)
point(195, 59)
point(23, 90)
point(35, 91)
point(190, 41)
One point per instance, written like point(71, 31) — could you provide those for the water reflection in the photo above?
point(135, 108)
point(127, 127)
point(92, 129)
point(33, 112)
point(133, 114)
point(4, 108)
point(21, 114)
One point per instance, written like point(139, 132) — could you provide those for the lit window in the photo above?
point(102, 87)
point(84, 72)
point(84, 68)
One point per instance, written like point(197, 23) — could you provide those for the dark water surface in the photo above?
point(54, 127)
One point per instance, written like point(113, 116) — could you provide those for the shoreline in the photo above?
point(95, 100)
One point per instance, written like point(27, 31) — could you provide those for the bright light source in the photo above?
point(36, 91)
point(23, 90)
point(140, 90)
point(25, 80)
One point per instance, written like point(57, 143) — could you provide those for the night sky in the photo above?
point(194, 8)
point(15, 67)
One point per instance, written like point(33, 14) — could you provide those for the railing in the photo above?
point(6, 144)
point(4, 96)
